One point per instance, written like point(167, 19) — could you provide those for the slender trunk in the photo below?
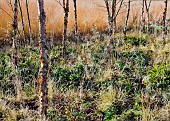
point(43, 90)
point(12, 8)
point(164, 32)
point(66, 11)
point(81, 94)
point(75, 20)
point(141, 19)
point(15, 52)
point(127, 18)
point(22, 19)
point(147, 12)
point(29, 22)
point(110, 21)
point(114, 14)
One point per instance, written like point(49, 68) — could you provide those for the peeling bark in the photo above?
point(164, 31)
point(43, 90)
point(66, 11)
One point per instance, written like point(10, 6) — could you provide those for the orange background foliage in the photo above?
point(91, 15)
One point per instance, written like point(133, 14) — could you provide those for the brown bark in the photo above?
point(164, 21)
point(127, 18)
point(29, 22)
point(110, 21)
point(43, 90)
point(75, 20)
point(66, 11)
point(15, 52)
point(22, 20)
point(142, 16)
point(112, 14)
point(15, 21)
point(147, 14)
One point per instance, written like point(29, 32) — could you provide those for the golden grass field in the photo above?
point(91, 14)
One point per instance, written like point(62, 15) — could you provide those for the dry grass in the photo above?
point(90, 15)
point(106, 99)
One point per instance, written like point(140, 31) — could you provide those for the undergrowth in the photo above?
point(131, 87)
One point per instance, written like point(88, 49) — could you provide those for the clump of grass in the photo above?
point(107, 97)
point(135, 40)
point(159, 76)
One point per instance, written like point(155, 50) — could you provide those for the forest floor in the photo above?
point(131, 84)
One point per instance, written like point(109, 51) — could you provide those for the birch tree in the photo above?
point(111, 15)
point(29, 22)
point(127, 18)
point(142, 16)
point(147, 13)
point(75, 20)
point(43, 90)
point(66, 11)
point(65, 5)
point(15, 52)
point(164, 21)
point(22, 20)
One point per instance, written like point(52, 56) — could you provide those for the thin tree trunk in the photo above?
point(43, 90)
point(142, 18)
point(114, 14)
point(29, 22)
point(66, 11)
point(12, 8)
point(15, 52)
point(75, 20)
point(147, 11)
point(110, 15)
point(127, 18)
point(164, 21)
point(110, 21)
point(22, 19)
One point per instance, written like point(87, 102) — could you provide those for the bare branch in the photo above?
point(59, 2)
point(9, 3)
point(118, 9)
point(6, 12)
